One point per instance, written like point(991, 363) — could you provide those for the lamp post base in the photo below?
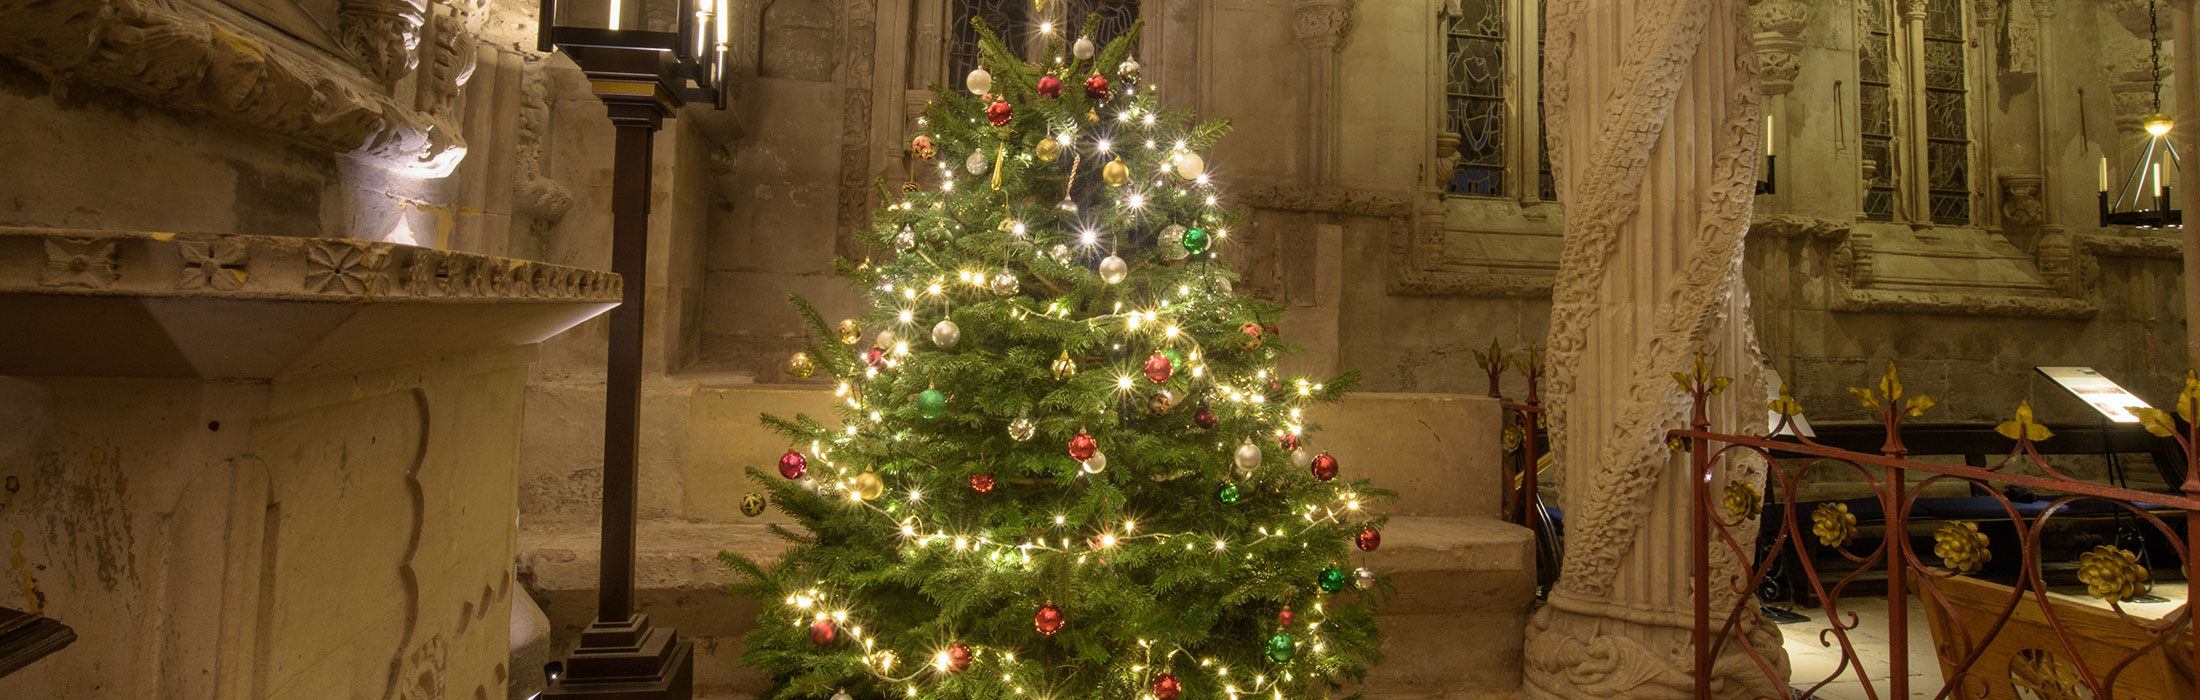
point(628, 660)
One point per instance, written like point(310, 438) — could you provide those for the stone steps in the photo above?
point(1465, 579)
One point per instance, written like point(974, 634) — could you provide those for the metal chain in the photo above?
point(2154, 35)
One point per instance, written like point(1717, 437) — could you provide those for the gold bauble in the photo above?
point(868, 486)
point(1116, 173)
point(850, 332)
point(1092, 115)
point(800, 366)
point(1064, 367)
point(1047, 150)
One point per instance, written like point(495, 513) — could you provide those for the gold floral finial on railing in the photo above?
point(1701, 379)
point(1962, 548)
point(1742, 500)
point(1786, 404)
point(1511, 438)
point(1531, 363)
point(2112, 574)
point(1833, 524)
point(2022, 428)
point(2158, 422)
point(1890, 395)
point(1492, 360)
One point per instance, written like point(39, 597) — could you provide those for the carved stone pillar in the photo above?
point(1322, 26)
point(1655, 129)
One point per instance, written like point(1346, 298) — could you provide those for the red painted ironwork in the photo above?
point(1725, 609)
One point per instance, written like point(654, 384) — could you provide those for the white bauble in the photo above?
point(886, 339)
point(1248, 456)
point(979, 81)
point(1083, 49)
point(1172, 243)
point(1098, 462)
point(1190, 166)
point(1300, 459)
point(946, 334)
point(1112, 269)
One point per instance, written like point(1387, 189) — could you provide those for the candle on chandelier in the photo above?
point(2104, 173)
point(1768, 135)
point(2157, 180)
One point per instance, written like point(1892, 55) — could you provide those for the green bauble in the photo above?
point(1227, 494)
point(1281, 648)
point(931, 403)
point(1196, 241)
point(1176, 359)
point(1333, 579)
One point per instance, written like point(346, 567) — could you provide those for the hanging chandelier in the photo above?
point(2144, 200)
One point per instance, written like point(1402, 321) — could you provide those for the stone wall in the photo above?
point(1386, 274)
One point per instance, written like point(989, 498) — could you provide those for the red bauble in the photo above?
point(1324, 467)
point(1205, 418)
point(1290, 441)
point(1369, 539)
point(958, 657)
point(1082, 446)
point(1252, 334)
point(793, 465)
point(1285, 618)
point(875, 357)
point(999, 113)
point(823, 633)
point(1272, 330)
point(1159, 368)
point(1096, 86)
point(1050, 86)
point(981, 483)
point(1165, 687)
point(1048, 620)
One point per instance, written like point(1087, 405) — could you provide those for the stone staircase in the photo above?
point(1465, 579)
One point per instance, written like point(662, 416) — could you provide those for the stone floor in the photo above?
point(1811, 662)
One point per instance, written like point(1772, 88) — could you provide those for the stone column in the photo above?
point(1656, 132)
point(2184, 33)
point(1321, 27)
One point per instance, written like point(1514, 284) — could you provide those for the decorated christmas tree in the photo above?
point(1065, 464)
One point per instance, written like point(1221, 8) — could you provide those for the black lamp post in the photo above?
point(642, 76)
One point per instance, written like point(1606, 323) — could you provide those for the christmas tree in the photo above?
point(1065, 466)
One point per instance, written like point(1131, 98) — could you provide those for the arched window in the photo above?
point(1914, 111)
point(1493, 76)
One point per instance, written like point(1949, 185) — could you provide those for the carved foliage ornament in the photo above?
point(1321, 24)
point(216, 264)
point(75, 262)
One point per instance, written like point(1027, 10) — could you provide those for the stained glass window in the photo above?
point(1116, 17)
point(1474, 93)
point(1947, 117)
point(1546, 186)
point(1876, 106)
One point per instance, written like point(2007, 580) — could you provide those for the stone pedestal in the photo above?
point(248, 467)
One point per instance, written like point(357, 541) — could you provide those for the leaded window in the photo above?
point(1914, 116)
point(1876, 105)
point(1474, 93)
point(1546, 187)
point(1947, 118)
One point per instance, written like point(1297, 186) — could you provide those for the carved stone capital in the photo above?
point(1779, 40)
point(2021, 206)
point(1321, 24)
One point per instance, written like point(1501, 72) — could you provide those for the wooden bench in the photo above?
point(2026, 656)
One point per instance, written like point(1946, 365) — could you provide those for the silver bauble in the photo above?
point(905, 240)
point(1172, 243)
point(1098, 462)
point(1248, 456)
point(946, 334)
point(1300, 459)
point(1005, 283)
point(1364, 579)
point(1021, 429)
point(1112, 269)
point(1129, 68)
point(976, 163)
point(886, 340)
point(1067, 204)
point(1061, 254)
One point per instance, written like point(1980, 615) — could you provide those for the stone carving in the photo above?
point(1780, 42)
point(1321, 24)
point(1610, 394)
point(74, 262)
point(2020, 201)
point(217, 264)
point(544, 199)
point(450, 60)
point(197, 66)
point(382, 35)
point(1447, 158)
point(282, 267)
point(1328, 200)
